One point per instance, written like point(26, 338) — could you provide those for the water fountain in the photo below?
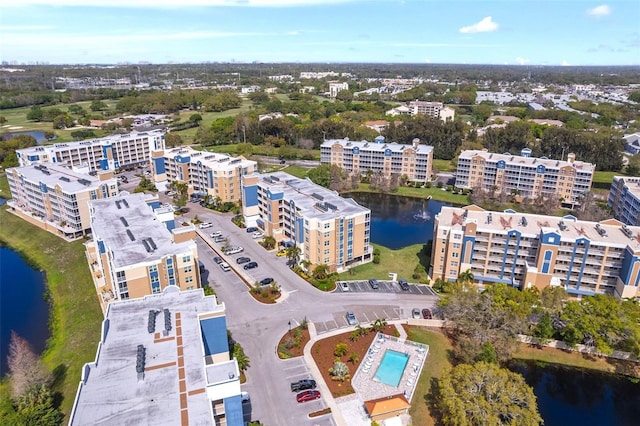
point(423, 214)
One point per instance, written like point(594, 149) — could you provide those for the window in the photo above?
point(326, 243)
point(188, 280)
point(153, 268)
point(456, 245)
point(455, 254)
point(326, 234)
point(454, 263)
point(326, 251)
point(327, 225)
point(186, 259)
point(187, 269)
point(326, 260)
point(457, 236)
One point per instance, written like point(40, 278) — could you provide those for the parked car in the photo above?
point(416, 313)
point(244, 397)
point(426, 313)
point(303, 384)
point(217, 259)
point(216, 234)
point(266, 281)
point(344, 286)
point(233, 250)
point(404, 285)
point(252, 229)
point(219, 239)
point(308, 395)
point(225, 266)
point(250, 265)
point(257, 235)
point(242, 260)
point(205, 225)
point(374, 283)
point(351, 318)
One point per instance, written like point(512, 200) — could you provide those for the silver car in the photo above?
point(351, 318)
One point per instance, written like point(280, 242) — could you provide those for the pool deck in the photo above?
point(368, 387)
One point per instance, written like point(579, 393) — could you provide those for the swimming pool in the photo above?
point(391, 367)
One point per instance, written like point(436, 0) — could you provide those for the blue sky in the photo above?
point(540, 32)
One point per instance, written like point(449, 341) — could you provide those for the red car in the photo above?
point(426, 313)
point(308, 395)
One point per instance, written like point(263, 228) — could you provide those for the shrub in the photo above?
point(264, 295)
point(340, 371)
point(376, 251)
point(340, 349)
point(428, 185)
point(376, 259)
point(354, 358)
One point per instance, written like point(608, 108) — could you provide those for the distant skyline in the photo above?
point(510, 32)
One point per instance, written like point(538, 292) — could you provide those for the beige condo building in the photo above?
point(414, 161)
point(205, 173)
point(328, 229)
point(523, 175)
point(528, 250)
point(133, 253)
point(56, 198)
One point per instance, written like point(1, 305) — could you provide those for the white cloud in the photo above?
point(522, 61)
point(484, 26)
point(158, 4)
point(602, 10)
point(565, 63)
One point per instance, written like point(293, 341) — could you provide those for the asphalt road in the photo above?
point(258, 327)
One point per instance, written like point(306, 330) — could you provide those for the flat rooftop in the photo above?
point(314, 201)
point(374, 146)
point(53, 175)
point(211, 160)
point(527, 161)
point(107, 140)
point(632, 183)
point(174, 375)
point(611, 232)
point(128, 227)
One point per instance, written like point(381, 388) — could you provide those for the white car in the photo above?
point(257, 235)
point(233, 250)
point(343, 286)
point(216, 234)
point(205, 225)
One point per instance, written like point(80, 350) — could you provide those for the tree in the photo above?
point(269, 242)
point(341, 349)
point(3, 119)
point(98, 106)
point(241, 357)
point(36, 407)
point(35, 114)
point(195, 118)
point(145, 185)
point(25, 368)
point(379, 324)
point(321, 175)
point(180, 193)
point(465, 277)
point(172, 140)
point(62, 121)
point(485, 394)
point(293, 254)
point(320, 272)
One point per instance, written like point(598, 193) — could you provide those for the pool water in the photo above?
point(391, 368)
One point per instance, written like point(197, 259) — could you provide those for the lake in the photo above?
point(397, 221)
point(22, 304)
point(37, 134)
point(570, 396)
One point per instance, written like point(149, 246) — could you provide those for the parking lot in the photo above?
point(386, 287)
point(364, 314)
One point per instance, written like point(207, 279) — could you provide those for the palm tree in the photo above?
point(465, 277)
point(293, 254)
point(241, 357)
point(379, 324)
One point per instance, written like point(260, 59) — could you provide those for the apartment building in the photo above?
point(432, 109)
point(414, 161)
point(162, 359)
point(55, 198)
point(133, 253)
point(108, 153)
point(205, 173)
point(528, 250)
point(329, 229)
point(523, 175)
point(624, 199)
point(335, 88)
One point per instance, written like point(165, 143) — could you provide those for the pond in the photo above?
point(37, 134)
point(570, 396)
point(23, 308)
point(397, 221)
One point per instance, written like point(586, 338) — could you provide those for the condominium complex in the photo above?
point(523, 175)
point(414, 161)
point(432, 109)
point(133, 253)
point(205, 173)
point(624, 199)
point(162, 359)
point(329, 229)
point(335, 88)
point(109, 153)
point(55, 198)
point(527, 250)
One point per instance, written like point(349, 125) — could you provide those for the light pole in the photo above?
point(289, 326)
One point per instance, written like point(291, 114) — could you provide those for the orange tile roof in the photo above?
point(387, 404)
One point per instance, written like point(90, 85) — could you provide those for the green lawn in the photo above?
point(76, 316)
point(435, 193)
point(208, 118)
point(444, 165)
point(436, 364)
point(402, 262)
point(297, 171)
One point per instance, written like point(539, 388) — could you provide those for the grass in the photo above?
point(297, 171)
point(444, 165)
point(75, 315)
point(436, 364)
point(402, 261)
point(435, 193)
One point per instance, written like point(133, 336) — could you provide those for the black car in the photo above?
point(250, 265)
point(403, 284)
point(303, 384)
point(266, 281)
point(252, 229)
point(374, 283)
point(242, 260)
point(217, 259)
